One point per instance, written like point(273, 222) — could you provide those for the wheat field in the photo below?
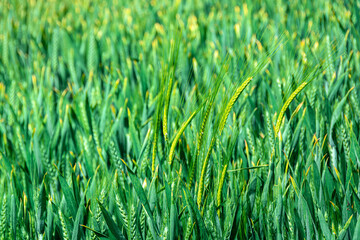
point(179, 119)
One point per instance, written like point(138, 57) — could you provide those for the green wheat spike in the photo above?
point(63, 226)
point(55, 49)
point(91, 52)
point(3, 219)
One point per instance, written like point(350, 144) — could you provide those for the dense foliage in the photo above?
point(179, 119)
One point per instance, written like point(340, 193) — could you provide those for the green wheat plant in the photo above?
point(179, 120)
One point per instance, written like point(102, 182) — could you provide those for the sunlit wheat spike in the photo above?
point(286, 105)
point(220, 187)
point(179, 133)
point(231, 103)
point(203, 171)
